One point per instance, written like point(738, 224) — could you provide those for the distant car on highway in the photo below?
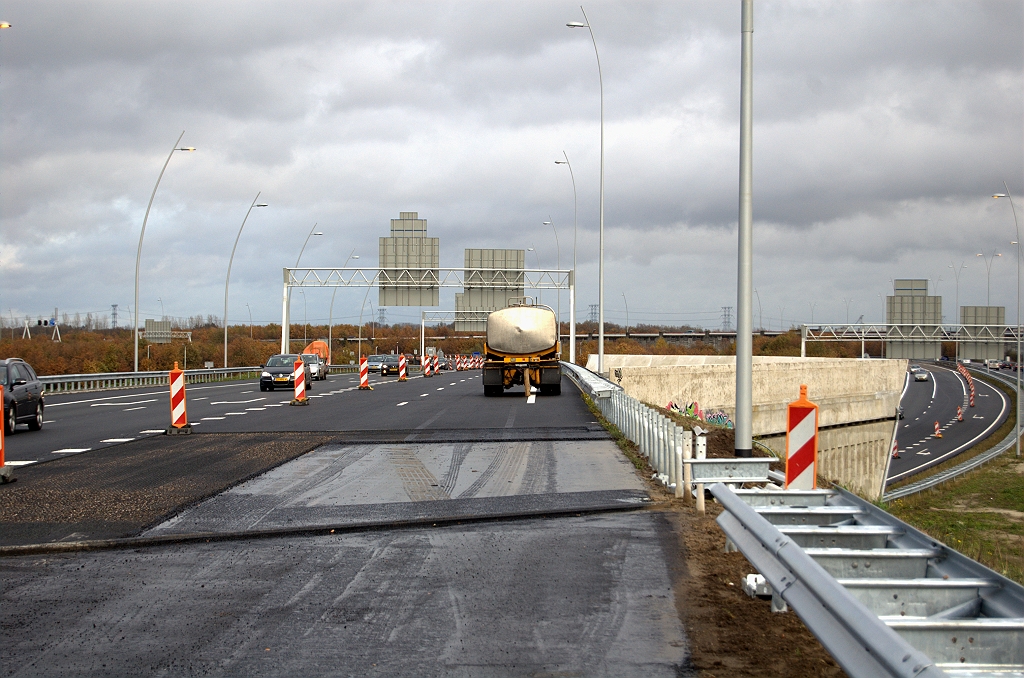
point(278, 372)
point(317, 367)
point(914, 369)
point(389, 365)
point(921, 376)
point(23, 395)
point(374, 362)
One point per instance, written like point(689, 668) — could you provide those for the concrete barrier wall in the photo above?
point(847, 390)
point(857, 397)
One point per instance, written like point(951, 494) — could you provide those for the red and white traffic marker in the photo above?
point(364, 374)
point(433, 368)
point(959, 413)
point(938, 431)
point(401, 368)
point(972, 399)
point(426, 366)
point(802, 443)
point(895, 450)
point(179, 419)
point(6, 472)
point(299, 378)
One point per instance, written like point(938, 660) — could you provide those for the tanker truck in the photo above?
point(522, 348)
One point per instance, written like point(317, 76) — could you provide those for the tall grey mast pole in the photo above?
point(745, 278)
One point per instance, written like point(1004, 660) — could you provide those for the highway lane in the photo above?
point(936, 400)
point(80, 422)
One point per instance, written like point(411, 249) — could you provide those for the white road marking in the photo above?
point(531, 400)
point(236, 402)
point(137, 402)
point(255, 409)
point(404, 402)
point(136, 395)
point(452, 384)
point(275, 405)
point(132, 409)
point(203, 398)
point(440, 388)
point(244, 392)
point(117, 440)
point(213, 418)
point(233, 413)
point(18, 463)
point(152, 430)
point(423, 395)
point(72, 450)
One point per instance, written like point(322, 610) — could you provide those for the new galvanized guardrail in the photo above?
point(882, 597)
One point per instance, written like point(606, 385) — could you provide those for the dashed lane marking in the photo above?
point(440, 388)
point(232, 402)
point(424, 395)
point(233, 413)
point(275, 405)
point(404, 402)
point(137, 402)
point(213, 418)
point(255, 409)
point(152, 430)
point(531, 400)
point(117, 440)
point(132, 409)
point(72, 450)
point(203, 398)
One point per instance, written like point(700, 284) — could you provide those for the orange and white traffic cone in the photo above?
point(179, 419)
point(364, 375)
point(401, 368)
point(938, 431)
point(6, 472)
point(299, 377)
point(959, 413)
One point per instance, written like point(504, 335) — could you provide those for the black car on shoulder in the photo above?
point(278, 372)
point(23, 395)
point(389, 365)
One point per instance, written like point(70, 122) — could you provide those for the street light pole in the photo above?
point(330, 315)
point(956, 274)
point(600, 257)
point(161, 300)
point(250, 319)
point(138, 255)
point(988, 268)
point(1016, 228)
point(286, 336)
point(572, 279)
point(558, 265)
point(228, 278)
point(627, 313)
point(745, 255)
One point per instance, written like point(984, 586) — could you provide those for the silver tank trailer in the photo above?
point(522, 330)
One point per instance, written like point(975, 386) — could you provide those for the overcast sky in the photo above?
point(881, 129)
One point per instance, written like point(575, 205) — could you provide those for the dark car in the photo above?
point(23, 395)
point(278, 373)
point(389, 366)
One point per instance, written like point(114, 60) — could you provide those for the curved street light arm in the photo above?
point(138, 254)
point(228, 278)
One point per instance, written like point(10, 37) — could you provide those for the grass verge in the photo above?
point(628, 447)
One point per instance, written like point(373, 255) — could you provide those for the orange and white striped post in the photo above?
point(299, 378)
point(433, 368)
point(364, 374)
point(401, 368)
point(426, 366)
point(179, 418)
point(802, 443)
point(938, 431)
point(6, 472)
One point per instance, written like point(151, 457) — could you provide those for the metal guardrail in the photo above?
point(962, 468)
point(593, 385)
point(883, 598)
point(103, 381)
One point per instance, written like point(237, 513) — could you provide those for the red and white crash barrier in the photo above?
point(802, 443)
point(401, 368)
point(179, 418)
point(364, 374)
point(299, 379)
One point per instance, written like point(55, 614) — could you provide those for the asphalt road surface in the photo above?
point(79, 422)
point(927, 402)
